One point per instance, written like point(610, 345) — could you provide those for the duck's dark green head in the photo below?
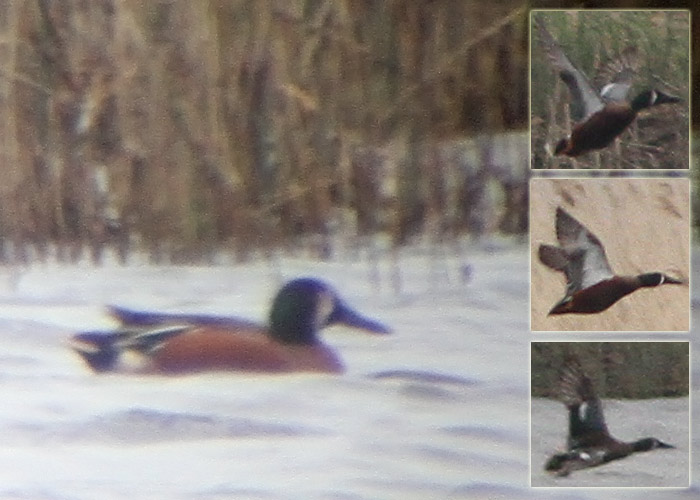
point(647, 444)
point(305, 305)
point(650, 98)
point(656, 279)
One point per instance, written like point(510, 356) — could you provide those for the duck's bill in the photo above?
point(662, 98)
point(348, 317)
point(674, 281)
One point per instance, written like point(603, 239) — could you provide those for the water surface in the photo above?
point(439, 409)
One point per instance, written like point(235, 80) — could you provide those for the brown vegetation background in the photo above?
point(633, 370)
point(182, 128)
point(188, 129)
point(692, 5)
point(643, 225)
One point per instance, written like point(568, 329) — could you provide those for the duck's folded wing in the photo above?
point(141, 319)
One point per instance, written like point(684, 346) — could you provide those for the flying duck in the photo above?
point(600, 118)
point(589, 443)
point(591, 286)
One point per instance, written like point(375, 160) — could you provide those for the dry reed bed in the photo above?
point(185, 127)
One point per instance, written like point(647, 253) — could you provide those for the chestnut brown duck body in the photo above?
point(602, 127)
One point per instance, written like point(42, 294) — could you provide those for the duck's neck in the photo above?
point(644, 100)
point(291, 320)
point(295, 332)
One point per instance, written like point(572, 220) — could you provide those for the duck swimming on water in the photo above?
point(186, 343)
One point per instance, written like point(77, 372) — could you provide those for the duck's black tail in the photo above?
point(99, 349)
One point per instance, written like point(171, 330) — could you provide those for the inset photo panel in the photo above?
point(610, 414)
point(610, 89)
point(610, 254)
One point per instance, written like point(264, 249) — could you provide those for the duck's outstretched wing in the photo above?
point(580, 256)
point(588, 263)
point(566, 261)
point(585, 410)
point(616, 77)
point(584, 99)
point(586, 423)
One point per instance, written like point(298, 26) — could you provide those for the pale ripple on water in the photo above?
point(142, 426)
point(426, 384)
point(490, 434)
point(426, 377)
